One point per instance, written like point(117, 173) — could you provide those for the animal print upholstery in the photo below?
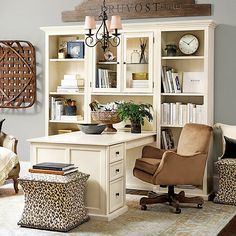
point(54, 202)
point(227, 181)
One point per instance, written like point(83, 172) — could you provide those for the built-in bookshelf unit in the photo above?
point(180, 87)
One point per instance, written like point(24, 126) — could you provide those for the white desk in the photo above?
point(102, 156)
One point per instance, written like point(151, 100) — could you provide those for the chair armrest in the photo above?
point(8, 141)
point(152, 152)
point(175, 169)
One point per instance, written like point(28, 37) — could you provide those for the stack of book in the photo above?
point(139, 83)
point(180, 114)
point(106, 78)
point(56, 107)
point(170, 80)
point(53, 168)
point(70, 84)
point(167, 140)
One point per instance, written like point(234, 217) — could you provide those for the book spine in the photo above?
point(47, 168)
point(44, 171)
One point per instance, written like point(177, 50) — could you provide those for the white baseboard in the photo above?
point(24, 167)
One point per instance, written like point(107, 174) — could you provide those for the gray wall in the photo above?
point(22, 20)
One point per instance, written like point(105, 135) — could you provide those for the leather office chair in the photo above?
point(184, 167)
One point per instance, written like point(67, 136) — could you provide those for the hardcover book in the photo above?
point(54, 172)
point(53, 166)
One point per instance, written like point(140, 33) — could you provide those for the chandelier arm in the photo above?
point(90, 44)
point(115, 41)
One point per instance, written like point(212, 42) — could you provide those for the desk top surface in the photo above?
point(103, 139)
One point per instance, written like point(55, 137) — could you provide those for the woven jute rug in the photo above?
point(157, 220)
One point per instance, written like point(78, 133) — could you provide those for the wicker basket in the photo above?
point(106, 117)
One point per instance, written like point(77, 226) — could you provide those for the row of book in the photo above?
point(167, 140)
point(170, 80)
point(106, 78)
point(57, 111)
point(180, 114)
point(53, 168)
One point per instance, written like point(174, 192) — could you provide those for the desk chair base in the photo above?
point(173, 199)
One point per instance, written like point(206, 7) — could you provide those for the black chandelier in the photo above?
point(103, 34)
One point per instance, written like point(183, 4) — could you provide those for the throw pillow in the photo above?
point(1, 122)
point(230, 148)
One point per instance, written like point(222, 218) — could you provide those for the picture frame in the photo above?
point(75, 49)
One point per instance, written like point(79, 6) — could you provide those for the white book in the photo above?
point(199, 114)
point(163, 132)
point(194, 115)
point(58, 110)
point(168, 90)
point(172, 113)
point(184, 116)
point(165, 113)
point(177, 111)
point(170, 81)
point(52, 108)
point(163, 81)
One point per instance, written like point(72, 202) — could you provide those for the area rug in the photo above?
point(157, 220)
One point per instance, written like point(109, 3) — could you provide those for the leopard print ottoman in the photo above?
point(54, 202)
point(227, 181)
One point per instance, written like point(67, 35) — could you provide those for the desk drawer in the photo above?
point(116, 153)
point(116, 194)
point(116, 170)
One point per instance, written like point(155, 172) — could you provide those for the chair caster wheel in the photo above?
point(199, 206)
point(144, 207)
point(177, 210)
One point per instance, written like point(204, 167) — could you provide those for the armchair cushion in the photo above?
point(8, 159)
point(148, 165)
point(230, 148)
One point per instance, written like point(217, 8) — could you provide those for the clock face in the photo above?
point(188, 44)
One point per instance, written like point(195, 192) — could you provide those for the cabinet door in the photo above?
point(138, 62)
point(107, 69)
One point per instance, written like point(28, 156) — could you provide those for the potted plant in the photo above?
point(135, 113)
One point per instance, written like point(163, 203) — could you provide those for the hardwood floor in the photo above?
point(228, 230)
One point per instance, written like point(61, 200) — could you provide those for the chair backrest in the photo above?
point(194, 138)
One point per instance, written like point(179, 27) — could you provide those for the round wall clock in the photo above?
point(188, 44)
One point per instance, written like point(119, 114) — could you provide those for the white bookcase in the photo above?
point(122, 69)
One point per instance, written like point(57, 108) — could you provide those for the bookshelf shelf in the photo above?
point(67, 60)
point(108, 63)
point(183, 94)
point(172, 126)
point(183, 58)
point(122, 94)
point(66, 122)
point(69, 94)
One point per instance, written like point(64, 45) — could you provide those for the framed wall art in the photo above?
point(17, 74)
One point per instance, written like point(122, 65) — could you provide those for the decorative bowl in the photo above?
point(106, 117)
point(89, 128)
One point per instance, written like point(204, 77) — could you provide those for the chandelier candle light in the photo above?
point(103, 34)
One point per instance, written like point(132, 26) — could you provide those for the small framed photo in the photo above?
point(75, 49)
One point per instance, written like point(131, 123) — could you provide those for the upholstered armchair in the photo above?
point(186, 166)
point(10, 166)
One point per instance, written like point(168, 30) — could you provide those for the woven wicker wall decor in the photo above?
point(17, 74)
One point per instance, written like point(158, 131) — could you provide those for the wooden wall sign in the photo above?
point(137, 9)
point(17, 74)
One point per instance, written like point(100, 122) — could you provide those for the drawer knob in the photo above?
point(117, 194)
point(117, 153)
point(117, 170)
